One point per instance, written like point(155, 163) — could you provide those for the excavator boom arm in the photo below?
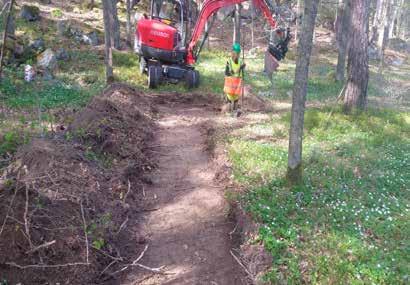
point(209, 8)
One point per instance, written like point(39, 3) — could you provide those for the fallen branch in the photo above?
point(122, 226)
point(85, 232)
point(158, 270)
point(135, 261)
point(107, 254)
point(233, 231)
point(109, 265)
point(129, 189)
point(8, 211)
point(45, 265)
point(26, 222)
point(47, 244)
point(242, 265)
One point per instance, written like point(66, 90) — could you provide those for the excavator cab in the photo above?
point(161, 44)
point(170, 12)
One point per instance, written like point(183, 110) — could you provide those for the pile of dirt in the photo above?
point(69, 204)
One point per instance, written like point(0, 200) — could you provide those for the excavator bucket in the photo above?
point(277, 50)
point(271, 63)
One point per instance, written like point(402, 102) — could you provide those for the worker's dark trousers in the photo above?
point(233, 105)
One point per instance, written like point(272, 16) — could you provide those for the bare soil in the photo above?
point(188, 230)
point(70, 202)
point(132, 172)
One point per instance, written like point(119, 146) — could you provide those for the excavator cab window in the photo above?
point(168, 11)
point(171, 13)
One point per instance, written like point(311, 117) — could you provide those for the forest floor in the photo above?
point(166, 177)
point(188, 228)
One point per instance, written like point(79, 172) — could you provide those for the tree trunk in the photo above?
point(108, 40)
point(393, 21)
point(114, 23)
point(338, 20)
point(11, 26)
point(358, 58)
point(294, 173)
point(7, 22)
point(386, 28)
point(342, 30)
point(298, 19)
point(129, 28)
point(377, 21)
point(400, 17)
point(237, 24)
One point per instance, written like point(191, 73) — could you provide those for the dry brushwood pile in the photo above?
point(69, 203)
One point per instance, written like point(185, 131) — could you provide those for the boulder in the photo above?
point(18, 50)
point(63, 28)
point(76, 33)
point(45, 2)
point(47, 60)
point(38, 45)
point(30, 13)
point(62, 54)
point(91, 38)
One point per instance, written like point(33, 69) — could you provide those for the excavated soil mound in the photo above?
point(68, 204)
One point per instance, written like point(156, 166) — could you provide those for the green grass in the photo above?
point(16, 93)
point(350, 221)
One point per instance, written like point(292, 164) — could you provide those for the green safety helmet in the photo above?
point(236, 48)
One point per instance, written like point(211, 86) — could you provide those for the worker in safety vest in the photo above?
point(234, 68)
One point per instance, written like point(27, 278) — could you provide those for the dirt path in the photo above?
point(188, 228)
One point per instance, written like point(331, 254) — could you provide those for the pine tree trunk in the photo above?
point(8, 21)
point(294, 173)
point(342, 30)
point(358, 58)
point(108, 40)
point(11, 26)
point(114, 24)
point(237, 24)
point(298, 19)
point(129, 28)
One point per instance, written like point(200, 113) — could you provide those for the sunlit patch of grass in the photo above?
point(349, 221)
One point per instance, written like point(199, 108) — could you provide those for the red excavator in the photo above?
point(168, 47)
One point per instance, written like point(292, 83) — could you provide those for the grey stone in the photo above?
point(30, 13)
point(63, 28)
point(18, 50)
point(75, 31)
point(38, 45)
point(47, 60)
point(45, 2)
point(62, 54)
point(91, 38)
